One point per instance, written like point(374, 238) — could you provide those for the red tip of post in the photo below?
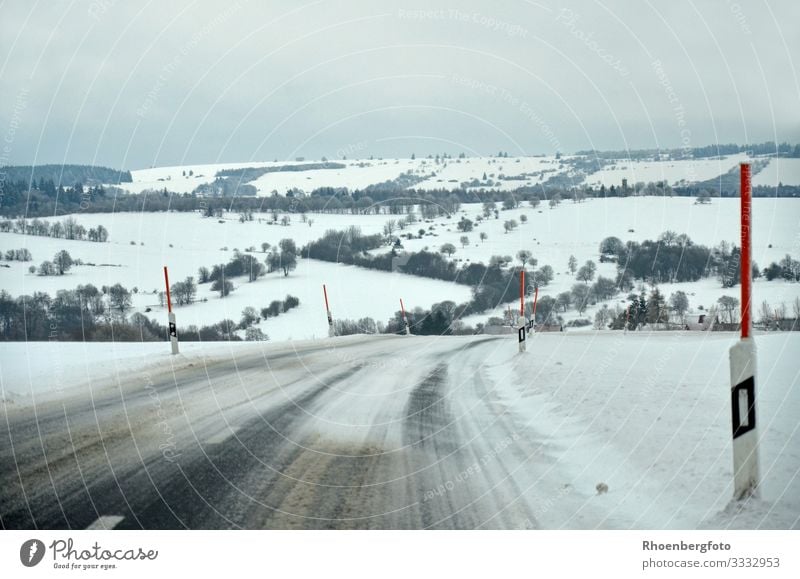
point(325, 291)
point(746, 209)
point(402, 308)
point(166, 281)
point(522, 292)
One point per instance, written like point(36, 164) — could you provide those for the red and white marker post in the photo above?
point(331, 332)
point(405, 317)
point(535, 300)
point(173, 328)
point(522, 323)
point(743, 367)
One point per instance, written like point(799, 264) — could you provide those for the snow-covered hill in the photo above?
point(141, 244)
point(490, 173)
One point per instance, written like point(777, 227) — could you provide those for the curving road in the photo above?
point(361, 432)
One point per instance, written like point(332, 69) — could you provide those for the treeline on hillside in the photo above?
point(787, 268)
point(765, 148)
point(64, 174)
point(491, 284)
point(672, 257)
point(91, 314)
point(45, 199)
point(227, 188)
point(389, 198)
point(68, 228)
point(247, 174)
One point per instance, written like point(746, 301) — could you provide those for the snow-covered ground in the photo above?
point(186, 241)
point(358, 174)
point(680, 172)
point(452, 172)
point(647, 414)
point(552, 235)
point(779, 171)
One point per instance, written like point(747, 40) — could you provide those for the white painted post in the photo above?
point(743, 368)
point(173, 333)
point(743, 418)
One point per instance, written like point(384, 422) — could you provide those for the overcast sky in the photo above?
point(139, 84)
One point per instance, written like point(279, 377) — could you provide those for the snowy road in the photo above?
point(355, 433)
point(393, 432)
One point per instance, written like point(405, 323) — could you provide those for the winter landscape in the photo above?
point(410, 324)
point(497, 439)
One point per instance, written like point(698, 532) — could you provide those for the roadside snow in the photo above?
point(648, 414)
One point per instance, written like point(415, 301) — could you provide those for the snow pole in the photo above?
point(522, 323)
point(173, 328)
point(743, 367)
point(535, 299)
point(405, 318)
point(331, 332)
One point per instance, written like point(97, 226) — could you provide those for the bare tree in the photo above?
point(449, 249)
point(729, 305)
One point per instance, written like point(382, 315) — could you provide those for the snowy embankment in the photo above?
point(648, 414)
point(645, 414)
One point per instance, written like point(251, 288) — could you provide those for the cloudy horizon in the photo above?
point(134, 86)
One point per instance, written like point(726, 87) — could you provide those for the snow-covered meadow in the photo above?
point(140, 244)
point(505, 173)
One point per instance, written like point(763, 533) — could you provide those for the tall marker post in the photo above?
point(522, 323)
point(743, 367)
point(405, 318)
point(173, 328)
point(535, 300)
point(331, 332)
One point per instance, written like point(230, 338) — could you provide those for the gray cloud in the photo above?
point(134, 85)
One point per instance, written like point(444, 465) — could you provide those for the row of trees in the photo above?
point(676, 258)
point(68, 228)
point(282, 258)
point(787, 268)
point(91, 314)
point(672, 258)
point(85, 313)
point(17, 255)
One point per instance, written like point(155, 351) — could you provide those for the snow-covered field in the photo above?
point(552, 235)
point(779, 171)
point(186, 242)
point(452, 172)
point(445, 174)
point(680, 172)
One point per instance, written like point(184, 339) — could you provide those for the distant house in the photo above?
point(708, 322)
point(698, 322)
